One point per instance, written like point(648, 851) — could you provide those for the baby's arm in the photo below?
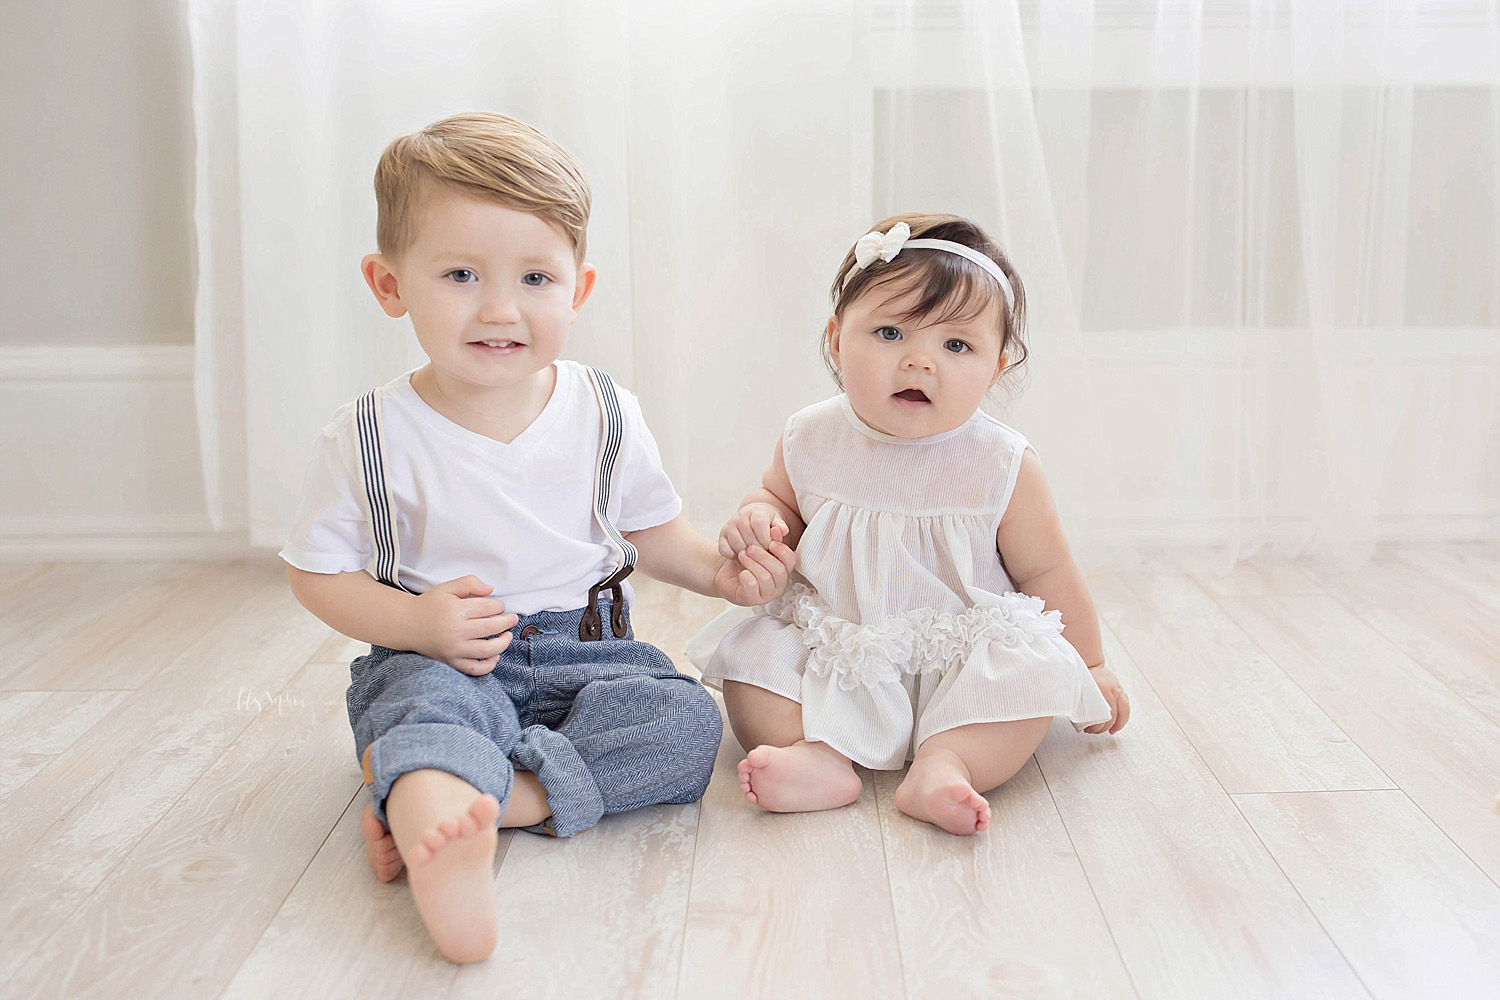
point(679, 554)
point(1037, 558)
point(767, 515)
point(448, 623)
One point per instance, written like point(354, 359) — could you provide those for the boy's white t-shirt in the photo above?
point(519, 516)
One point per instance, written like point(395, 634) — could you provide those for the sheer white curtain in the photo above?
point(1261, 238)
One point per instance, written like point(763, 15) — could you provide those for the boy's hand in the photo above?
point(1114, 693)
point(756, 575)
point(754, 524)
point(452, 621)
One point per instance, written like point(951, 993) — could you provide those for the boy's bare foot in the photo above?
point(445, 829)
point(380, 847)
point(803, 777)
point(937, 791)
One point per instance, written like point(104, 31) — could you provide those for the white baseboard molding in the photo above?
point(107, 465)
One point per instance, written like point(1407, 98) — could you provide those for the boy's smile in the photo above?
point(492, 292)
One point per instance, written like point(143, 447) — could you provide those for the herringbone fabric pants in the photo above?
point(606, 726)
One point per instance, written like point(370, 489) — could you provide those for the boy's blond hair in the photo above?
point(486, 156)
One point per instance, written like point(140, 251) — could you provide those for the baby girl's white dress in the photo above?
point(900, 621)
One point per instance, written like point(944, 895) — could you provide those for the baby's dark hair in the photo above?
point(952, 288)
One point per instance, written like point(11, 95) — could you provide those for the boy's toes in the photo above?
point(485, 812)
point(380, 847)
point(369, 825)
point(388, 868)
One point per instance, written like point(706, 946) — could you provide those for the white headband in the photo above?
point(885, 246)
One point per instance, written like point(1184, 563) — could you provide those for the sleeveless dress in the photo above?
point(900, 621)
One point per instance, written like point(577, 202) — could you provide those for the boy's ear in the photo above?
point(382, 281)
point(833, 339)
point(583, 286)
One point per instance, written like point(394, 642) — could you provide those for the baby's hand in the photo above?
point(1114, 693)
point(756, 575)
point(452, 620)
point(755, 524)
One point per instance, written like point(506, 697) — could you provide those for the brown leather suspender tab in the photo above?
point(590, 628)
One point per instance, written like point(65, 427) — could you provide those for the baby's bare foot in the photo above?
point(803, 777)
point(938, 792)
point(449, 872)
point(380, 847)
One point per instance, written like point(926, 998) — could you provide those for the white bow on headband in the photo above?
point(885, 246)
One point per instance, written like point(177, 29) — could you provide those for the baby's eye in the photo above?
point(956, 346)
point(888, 333)
point(462, 275)
point(536, 279)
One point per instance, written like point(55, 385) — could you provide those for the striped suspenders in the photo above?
point(612, 432)
point(385, 564)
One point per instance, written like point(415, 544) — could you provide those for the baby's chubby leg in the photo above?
point(953, 768)
point(784, 772)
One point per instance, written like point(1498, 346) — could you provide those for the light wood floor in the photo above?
point(1304, 805)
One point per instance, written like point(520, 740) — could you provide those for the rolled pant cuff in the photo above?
point(572, 794)
point(442, 747)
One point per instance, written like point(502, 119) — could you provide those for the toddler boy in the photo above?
point(474, 520)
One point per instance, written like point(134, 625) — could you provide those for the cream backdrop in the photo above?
point(1261, 239)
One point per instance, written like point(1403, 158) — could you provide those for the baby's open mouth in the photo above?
point(913, 396)
point(496, 343)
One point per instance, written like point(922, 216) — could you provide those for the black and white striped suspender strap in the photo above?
point(385, 565)
point(613, 433)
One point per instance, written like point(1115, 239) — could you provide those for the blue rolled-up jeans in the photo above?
point(606, 726)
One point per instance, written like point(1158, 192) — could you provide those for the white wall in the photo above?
point(98, 447)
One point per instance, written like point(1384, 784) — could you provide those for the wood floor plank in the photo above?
point(66, 828)
point(794, 904)
point(38, 726)
point(1442, 622)
point(1254, 728)
point(1436, 747)
point(53, 601)
point(1474, 567)
point(19, 576)
point(1006, 913)
point(341, 649)
point(342, 935)
point(1410, 911)
point(50, 609)
point(1196, 906)
point(123, 642)
point(608, 905)
point(233, 846)
point(1263, 573)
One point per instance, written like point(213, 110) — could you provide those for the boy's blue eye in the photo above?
point(956, 346)
point(462, 275)
point(535, 278)
point(888, 333)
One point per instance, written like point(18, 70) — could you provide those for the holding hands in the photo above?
point(453, 622)
point(755, 561)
